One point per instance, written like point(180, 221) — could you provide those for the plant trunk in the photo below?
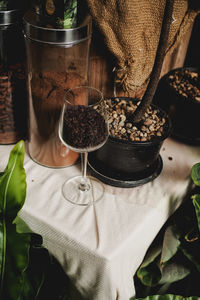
point(160, 54)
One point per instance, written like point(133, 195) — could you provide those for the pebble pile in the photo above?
point(186, 83)
point(120, 126)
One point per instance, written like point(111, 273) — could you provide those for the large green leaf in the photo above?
point(160, 268)
point(150, 275)
point(17, 283)
point(149, 272)
point(173, 272)
point(170, 244)
point(13, 184)
point(192, 255)
point(12, 197)
point(17, 260)
point(21, 226)
point(195, 174)
point(26, 269)
point(180, 256)
point(196, 202)
point(152, 253)
point(169, 297)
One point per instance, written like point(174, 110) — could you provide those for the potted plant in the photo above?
point(171, 267)
point(128, 162)
point(27, 270)
point(178, 93)
point(130, 157)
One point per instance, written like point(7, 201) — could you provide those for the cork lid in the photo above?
point(35, 30)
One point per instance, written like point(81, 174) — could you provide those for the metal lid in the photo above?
point(8, 17)
point(34, 31)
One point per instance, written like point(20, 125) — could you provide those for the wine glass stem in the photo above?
point(84, 186)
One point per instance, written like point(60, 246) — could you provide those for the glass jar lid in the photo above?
point(34, 31)
point(8, 17)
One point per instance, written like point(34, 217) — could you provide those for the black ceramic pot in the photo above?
point(129, 163)
point(184, 111)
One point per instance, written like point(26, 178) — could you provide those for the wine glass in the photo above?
point(83, 128)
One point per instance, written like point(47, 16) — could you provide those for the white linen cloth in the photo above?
point(100, 247)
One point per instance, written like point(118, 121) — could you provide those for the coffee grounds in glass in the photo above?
point(83, 127)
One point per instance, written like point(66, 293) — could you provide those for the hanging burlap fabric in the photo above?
point(131, 29)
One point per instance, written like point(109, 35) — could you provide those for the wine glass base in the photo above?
point(75, 195)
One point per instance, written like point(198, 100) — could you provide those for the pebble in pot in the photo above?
point(130, 157)
point(178, 93)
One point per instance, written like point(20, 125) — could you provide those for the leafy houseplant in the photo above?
point(172, 264)
point(27, 271)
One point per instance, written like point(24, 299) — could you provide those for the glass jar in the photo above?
point(13, 87)
point(57, 60)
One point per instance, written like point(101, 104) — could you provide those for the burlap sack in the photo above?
point(131, 29)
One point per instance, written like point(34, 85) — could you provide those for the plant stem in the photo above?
point(160, 54)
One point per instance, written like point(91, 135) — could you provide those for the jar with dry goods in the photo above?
point(13, 88)
point(57, 60)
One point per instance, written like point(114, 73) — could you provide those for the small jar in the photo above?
point(13, 88)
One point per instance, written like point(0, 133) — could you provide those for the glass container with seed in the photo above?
point(13, 90)
point(58, 60)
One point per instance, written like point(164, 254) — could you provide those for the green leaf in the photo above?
point(195, 174)
point(191, 251)
point(151, 255)
point(149, 276)
point(196, 202)
point(2, 4)
point(173, 272)
point(26, 270)
point(21, 226)
point(170, 244)
point(13, 183)
point(17, 260)
point(169, 297)
point(12, 197)
point(14, 254)
point(149, 272)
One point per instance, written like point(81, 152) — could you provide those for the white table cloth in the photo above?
point(100, 247)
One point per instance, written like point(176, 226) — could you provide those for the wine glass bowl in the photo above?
point(83, 128)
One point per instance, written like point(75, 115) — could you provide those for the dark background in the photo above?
point(193, 53)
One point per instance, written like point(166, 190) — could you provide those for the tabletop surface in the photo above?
point(101, 246)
